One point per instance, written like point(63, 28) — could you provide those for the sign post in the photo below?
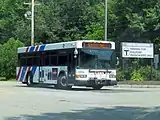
point(156, 60)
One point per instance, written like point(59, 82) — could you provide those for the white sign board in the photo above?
point(137, 50)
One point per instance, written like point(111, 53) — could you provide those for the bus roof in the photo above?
point(63, 45)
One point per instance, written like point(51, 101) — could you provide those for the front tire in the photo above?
point(63, 82)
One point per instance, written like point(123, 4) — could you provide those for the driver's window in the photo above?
point(113, 60)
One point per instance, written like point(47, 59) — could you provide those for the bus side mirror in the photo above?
point(117, 60)
point(75, 56)
point(75, 53)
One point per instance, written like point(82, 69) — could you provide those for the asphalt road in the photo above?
point(18, 102)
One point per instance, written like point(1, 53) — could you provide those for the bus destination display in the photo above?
point(96, 45)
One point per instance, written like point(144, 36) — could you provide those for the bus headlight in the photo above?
point(112, 76)
point(81, 76)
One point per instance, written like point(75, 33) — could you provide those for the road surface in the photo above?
point(18, 102)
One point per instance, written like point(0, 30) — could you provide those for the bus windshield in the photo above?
point(97, 59)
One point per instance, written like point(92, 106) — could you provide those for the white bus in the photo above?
point(88, 63)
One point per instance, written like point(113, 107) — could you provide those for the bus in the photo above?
point(90, 63)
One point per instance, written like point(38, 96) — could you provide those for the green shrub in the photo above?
point(136, 76)
point(128, 73)
point(145, 72)
point(155, 75)
point(120, 76)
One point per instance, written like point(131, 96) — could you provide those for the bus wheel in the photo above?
point(97, 87)
point(29, 79)
point(62, 82)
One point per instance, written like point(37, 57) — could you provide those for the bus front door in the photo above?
point(71, 70)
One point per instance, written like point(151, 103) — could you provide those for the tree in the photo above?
point(11, 12)
point(1, 61)
point(95, 27)
point(8, 57)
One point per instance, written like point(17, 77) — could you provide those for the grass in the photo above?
point(12, 80)
point(4, 79)
point(139, 82)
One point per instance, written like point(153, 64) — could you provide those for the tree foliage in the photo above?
point(8, 57)
point(66, 20)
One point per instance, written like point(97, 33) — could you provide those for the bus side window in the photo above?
point(46, 60)
point(42, 74)
point(22, 62)
point(70, 60)
point(29, 61)
point(62, 60)
point(53, 60)
point(36, 61)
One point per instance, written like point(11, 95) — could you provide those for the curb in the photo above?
point(137, 86)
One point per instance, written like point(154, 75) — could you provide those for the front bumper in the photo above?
point(103, 82)
point(96, 82)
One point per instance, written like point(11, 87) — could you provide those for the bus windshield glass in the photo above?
point(97, 59)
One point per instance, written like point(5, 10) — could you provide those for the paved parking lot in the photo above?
point(18, 102)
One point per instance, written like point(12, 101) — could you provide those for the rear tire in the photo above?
point(97, 87)
point(29, 80)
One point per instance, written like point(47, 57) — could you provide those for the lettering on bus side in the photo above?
point(63, 45)
point(49, 77)
point(54, 73)
point(42, 74)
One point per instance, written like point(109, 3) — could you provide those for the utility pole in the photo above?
point(32, 20)
point(106, 16)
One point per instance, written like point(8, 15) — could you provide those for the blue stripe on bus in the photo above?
point(42, 47)
point(23, 73)
point(34, 70)
point(31, 49)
